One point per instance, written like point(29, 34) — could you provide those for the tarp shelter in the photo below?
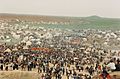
point(15, 49)
point(8, 50)
point(76, 58)
point(28, 43)
point(25, 48)
point(82, 48)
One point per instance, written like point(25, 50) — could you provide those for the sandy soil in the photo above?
point(117, 74)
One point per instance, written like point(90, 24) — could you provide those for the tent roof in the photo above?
point(8, 50)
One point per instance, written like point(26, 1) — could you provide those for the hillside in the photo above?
point(93, 22)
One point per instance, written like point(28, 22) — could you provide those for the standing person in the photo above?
point(117, 66)
point(23, 66)
point(111, 65)
point(105, 75)
point(91, 70)
point(29, 66)
point(39, 68)
point(42, 76)
point(6, 67)
point(1, 67)
point(63, 70)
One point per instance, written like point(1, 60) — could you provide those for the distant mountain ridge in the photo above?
point(94, 21)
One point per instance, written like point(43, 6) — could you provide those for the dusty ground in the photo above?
point(112, 74)
point(34, 75)
point(18, 75)
point(21, 75)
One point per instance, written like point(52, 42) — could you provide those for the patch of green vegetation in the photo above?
point(93, 22)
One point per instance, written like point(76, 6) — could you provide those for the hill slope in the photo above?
point(94, 22)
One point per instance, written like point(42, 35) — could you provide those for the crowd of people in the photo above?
point(59, 54)
point(58, 63)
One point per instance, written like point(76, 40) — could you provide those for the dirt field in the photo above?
point(34, 75)
point(18, 75)
point(21, 75)
point(117, 74)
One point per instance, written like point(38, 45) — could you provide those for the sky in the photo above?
point(79, 8)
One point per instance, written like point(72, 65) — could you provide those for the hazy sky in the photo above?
point(107, 8)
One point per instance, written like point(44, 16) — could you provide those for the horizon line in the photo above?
point(30, 14)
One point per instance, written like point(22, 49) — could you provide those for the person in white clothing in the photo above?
point(111, 65)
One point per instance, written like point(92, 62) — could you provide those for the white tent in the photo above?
point(118, 39)
point(15, 49)
point(23, 41)
point(107, 35)
point(26, 38)
point(82, 48)
point(87, 52)
point(8, 40)
point(7, 37)
point(28, 43)
point(8, 50)
point(16, 36)
point(31, 37)
point(21, 57)
point(38, 42)
point(114, 35)
point(25, 47)
point(76, 58)
point(84, 39)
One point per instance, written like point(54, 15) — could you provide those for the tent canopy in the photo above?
point(15, 49)
point(8, 50)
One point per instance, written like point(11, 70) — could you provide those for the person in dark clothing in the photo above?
point(15, 66)
point(6, 68)
point(39, 69)
point(47, 76)
point(63, 70)
point(1, 67)
point(105, 75)
point(43, 68)
point(117, 66)
point(91, 70)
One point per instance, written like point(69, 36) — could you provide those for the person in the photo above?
point(111, 65)
point(42, 76)
point(91, 70)
point(1, 67)
point(39, 68)
point(6, 68)
point(29, 66)
point(105, 75)
point(117, 66)
point(63, 70)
